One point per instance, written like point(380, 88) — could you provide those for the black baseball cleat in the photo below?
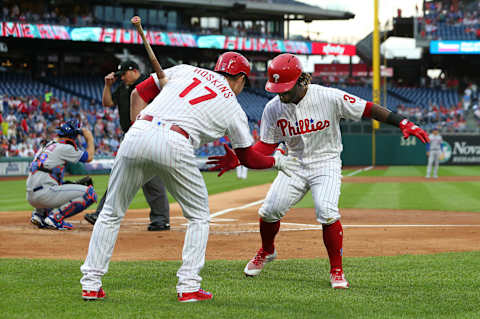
point(158, 227)
point(91, 218)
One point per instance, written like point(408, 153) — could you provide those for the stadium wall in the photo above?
point(391, 150)
point(395, 150)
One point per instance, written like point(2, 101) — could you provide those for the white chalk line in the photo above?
point(301, 227)
point(359, 171)
point(237, 208)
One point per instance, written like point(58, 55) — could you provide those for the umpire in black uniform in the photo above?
point(154, 190)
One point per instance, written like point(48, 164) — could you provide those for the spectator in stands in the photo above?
point(98, 129)
point(47, 96)
point(4, 146)
point(467, 98)
point(476, 112)
point(13, 148)
point(4, 128)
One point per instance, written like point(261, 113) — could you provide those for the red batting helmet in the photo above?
point(232, 63)
point(283, 73)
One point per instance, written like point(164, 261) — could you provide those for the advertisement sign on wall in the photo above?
point(461, 150)
point(131, 36)
point(455, 47)
point(14, 167)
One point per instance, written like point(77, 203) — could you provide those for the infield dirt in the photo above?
point(234, 235)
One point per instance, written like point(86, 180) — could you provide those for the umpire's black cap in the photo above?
point(125, 66)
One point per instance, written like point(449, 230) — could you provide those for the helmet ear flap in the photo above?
point(232, 63)
point(283, 73)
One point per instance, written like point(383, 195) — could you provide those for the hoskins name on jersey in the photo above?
point(302, 126)
point(211, 78)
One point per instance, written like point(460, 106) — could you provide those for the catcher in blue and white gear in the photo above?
point(53, 199)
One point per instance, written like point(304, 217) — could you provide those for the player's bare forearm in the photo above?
point(379, 113)
point(383, 115)
point(90, 143)
point(136, 104)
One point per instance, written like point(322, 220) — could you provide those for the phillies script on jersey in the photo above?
point(210, 78)
point(301, 127)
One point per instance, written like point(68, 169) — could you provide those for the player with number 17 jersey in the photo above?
point(201, 102)
point(193, 106)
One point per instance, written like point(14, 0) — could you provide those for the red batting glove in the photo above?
point(224, 163)
point(408, 128)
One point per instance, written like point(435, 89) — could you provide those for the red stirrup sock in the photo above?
point(268, 231)
point(333, 240)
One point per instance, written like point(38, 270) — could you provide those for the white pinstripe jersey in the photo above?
point(311, 129)
point(201, 102)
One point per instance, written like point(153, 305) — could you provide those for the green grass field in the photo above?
point(422, 286)
point(434, 286)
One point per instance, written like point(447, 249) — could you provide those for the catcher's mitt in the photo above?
point(86, 181)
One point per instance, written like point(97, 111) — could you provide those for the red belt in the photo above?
point(173, 127)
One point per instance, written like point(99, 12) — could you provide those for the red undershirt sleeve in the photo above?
point(147, 89)
point(264, 148)
point(367, 112)
point(253, 159)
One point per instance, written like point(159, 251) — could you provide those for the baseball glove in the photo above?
point(86, 181)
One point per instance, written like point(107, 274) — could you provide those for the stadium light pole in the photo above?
point(376, 74)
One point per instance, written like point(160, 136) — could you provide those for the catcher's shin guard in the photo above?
point(90, 196)
point(76, 205)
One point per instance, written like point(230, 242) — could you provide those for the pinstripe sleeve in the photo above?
point(239, 131)
point(349, 106)
point(268, 127)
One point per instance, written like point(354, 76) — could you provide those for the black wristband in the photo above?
point(394, 119)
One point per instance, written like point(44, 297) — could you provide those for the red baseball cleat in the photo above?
point(194, 296)
point(255, 266)
point(93, 295)
point(337, 279)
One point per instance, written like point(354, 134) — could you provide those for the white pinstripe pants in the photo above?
point(148, 150)
point(323, 179)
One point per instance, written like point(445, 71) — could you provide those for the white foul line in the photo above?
point(319, 226)
point(262, 200)
point(237, 208)
point(360, 170)
point(407, 225)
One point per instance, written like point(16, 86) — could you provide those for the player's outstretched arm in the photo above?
point(252, 159)
point(225, 162)
point(384, 115)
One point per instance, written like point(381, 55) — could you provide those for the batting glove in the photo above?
point(408, 128)
point(225, 162)
point(286, 164)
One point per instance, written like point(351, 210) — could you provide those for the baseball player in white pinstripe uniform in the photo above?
point(193, 107)
point(306, 117)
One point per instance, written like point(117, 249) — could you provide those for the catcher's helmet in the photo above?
point(69, 129)
point(232, 63)
point(283, 73)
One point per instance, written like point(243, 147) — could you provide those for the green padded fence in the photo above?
point(390, 150)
